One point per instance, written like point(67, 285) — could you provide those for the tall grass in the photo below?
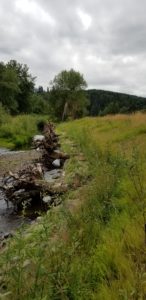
point(17, 132)
point(97, 250)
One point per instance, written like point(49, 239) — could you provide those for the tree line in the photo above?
point(17, 89)
point(66, 97)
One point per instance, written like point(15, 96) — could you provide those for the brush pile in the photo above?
point(49, 146)
point(35, 184)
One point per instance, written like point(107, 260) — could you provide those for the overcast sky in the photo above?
point(103, 39)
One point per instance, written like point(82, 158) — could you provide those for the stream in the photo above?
point(9, 220)
point(4, 151)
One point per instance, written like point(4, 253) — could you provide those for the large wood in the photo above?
point(28, 186)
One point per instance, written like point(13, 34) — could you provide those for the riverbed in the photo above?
point(12, 160)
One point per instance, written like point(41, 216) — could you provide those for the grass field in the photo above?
point(92, 246)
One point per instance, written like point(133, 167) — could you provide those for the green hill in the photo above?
point(104, 102)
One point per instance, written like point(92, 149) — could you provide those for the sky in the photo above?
point(105, 40)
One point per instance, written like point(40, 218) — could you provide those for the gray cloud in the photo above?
point(103, 39)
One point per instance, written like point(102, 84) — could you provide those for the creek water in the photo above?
point(9, 220)
point(4, 151)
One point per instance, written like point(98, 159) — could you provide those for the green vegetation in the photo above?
point(16, 86)
point(17, 90)
point(18, 94)
point(105, 102)
point(17, 132)
point(67, 96)
point(93, 245)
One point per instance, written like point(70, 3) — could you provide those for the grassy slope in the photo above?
point(92, 247)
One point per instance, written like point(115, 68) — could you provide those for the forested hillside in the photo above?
point(106, 102)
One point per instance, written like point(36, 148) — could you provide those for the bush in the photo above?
point(20, 129)
point(4, 116)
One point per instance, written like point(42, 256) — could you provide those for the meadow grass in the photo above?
point(93, 245)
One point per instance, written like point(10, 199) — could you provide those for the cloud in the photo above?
point(34, 10)
point(86, 19)
point(103, 39)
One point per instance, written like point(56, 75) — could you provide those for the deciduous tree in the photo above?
point(67, 95)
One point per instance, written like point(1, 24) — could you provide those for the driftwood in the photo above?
point(49, 147)
point(22, 187)
point(28, 187)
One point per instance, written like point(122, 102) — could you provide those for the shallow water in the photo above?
point(4, 151)
point(9, 221)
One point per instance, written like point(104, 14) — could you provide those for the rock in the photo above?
point(48, 178)
point(55, 172)
point(56, 163)
point(56, 176)
point(47, 199)
point(38, 138)
point(39, 219)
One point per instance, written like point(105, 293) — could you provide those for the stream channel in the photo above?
point(9, 220)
